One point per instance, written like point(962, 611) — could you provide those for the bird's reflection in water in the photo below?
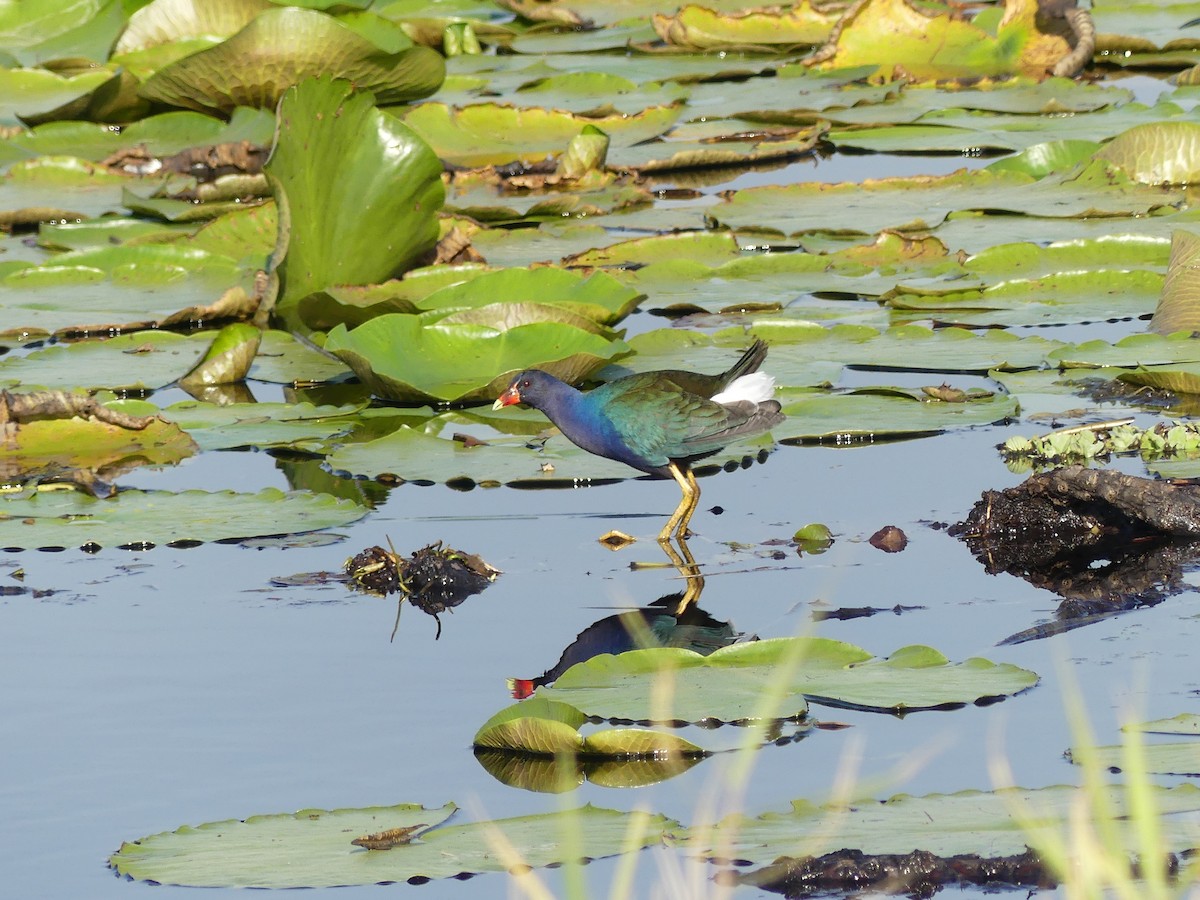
point(674, 620)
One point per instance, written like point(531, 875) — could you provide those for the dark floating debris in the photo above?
point(1105, 541)
point(433, 579)
point(845, 613)
point(889, 539)
point(916, 874)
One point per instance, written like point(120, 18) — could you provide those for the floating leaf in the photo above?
point(1160, 153)
point(312, 848)
point(464, 363)
point(729, 685)
point(989, 824)
point(490, 134)
point(69, 519)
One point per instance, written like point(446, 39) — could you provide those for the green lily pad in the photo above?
point(1163, 152)
point(55, 188)
point(230, 426)
point(1130, 352)
point(228, 359)
point(77, 443)
point(492, 134)
point(1159, 759)
point(130, 286)
point(883, 412)
point(1179, 306)
point(598, 297)
point(540, 727)
point(312, 848)
point(410, 455)
point(1184, 723)
point(165, 21)
point(37, 93)
point(285, 360)
point(987, 823)
point(70, 519)
point(1056, 299)
point(367, 224)
point(926, 201)
point(280, 48)
point(462, 363)
point(142, 360)
point(731, 683)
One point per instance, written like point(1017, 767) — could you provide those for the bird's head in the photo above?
point(524, 382)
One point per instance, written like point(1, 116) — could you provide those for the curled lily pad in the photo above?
point(164, 21)
point(462, 363)
point(1158, 153)
point(228, 359)
point(280, 48)
point(37, 94)
point(358, 193)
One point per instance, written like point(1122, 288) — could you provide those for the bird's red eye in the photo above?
point(525, 383)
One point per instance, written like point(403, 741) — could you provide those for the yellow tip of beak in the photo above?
point(499, 404)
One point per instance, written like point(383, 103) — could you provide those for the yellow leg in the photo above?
point(683, 513)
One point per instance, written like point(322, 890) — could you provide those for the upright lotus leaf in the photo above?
point(462, 363)
point(357, 192)
point(1179, 306)
point(280, 48)
point(672, 684)
point(895, 33)
point(987, 823)
point(70, 519)
point(314, 848)
point(586, 153)
point(1158, 153)
point(168, 21)
point(227, 361)
point(702, 28)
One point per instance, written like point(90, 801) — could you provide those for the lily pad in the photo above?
point(312, 848)
point(882, 412)
point(731, 683)
point(1161, 153)
point(281, 47)
point(411, 455)
point(924, 202)
point(70, 519)
point(369, 222)
point(462, 363)
point(144, 360)
point(540, 727)
point(1181, 758)
point(492, 134)
point(987, 823)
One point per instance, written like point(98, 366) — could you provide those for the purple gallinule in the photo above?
point(658, 422)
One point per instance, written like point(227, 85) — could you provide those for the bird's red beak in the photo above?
point(508, 398)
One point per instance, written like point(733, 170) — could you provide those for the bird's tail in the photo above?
point(750, 361)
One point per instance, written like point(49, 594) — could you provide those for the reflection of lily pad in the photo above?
point(466, 363)
point(312, 848)
point(69, 519)
point(730, 684)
